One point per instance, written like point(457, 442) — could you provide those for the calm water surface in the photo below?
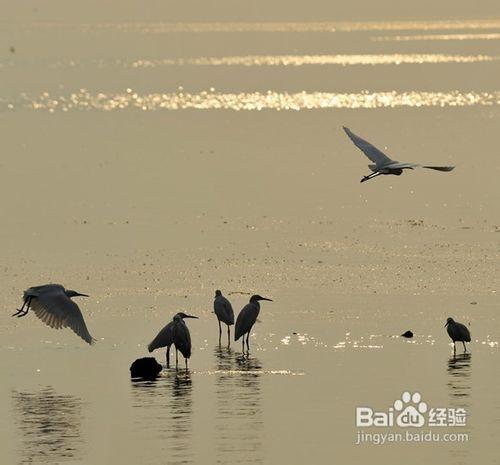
point(129, 173)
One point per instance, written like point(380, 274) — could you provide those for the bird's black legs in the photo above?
point(454, 348)
point(220, 332)
point(465, 348)
point(370, 176)
point(248, 346)
point(228, 335)
point(176, 359)
point(186, 360)
point(20, 311)
point(168, 357)
point(243, 344)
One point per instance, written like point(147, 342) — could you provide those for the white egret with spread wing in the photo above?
point(382, 164)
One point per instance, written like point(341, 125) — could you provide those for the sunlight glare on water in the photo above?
point(84, 100)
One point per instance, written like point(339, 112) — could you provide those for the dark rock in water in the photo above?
point(408, 334)
point(147, 368)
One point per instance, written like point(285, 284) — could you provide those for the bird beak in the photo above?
point(191, 316)
point(265, 298)
point(446, 324)
point(81, 295)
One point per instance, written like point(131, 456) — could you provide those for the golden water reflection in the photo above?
point(427, 37)
point(211, 100)
point(301, 60)
point(310, 26)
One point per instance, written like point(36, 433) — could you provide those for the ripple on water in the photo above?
point(50, 426)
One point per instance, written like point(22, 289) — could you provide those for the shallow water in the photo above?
point(128, 174)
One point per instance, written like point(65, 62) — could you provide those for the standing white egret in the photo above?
point(457, 332)
point(382, 163)
point(224, 312)
point(165, 338)
point(53, 305)
point(247, 318)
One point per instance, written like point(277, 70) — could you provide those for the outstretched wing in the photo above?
point(163, 339)
point(440, 168)
point(58, 311)
point(397, 165)
point(372, 152)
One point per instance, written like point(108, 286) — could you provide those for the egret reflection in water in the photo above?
point(50, 426)
point(164, 412)
point(459, 377)
point(238, 422)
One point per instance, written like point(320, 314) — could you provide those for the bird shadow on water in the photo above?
point(50, 426)
point(238, 422)
point(164, 415)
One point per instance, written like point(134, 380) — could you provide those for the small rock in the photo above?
point(408, 334)
point(146, 367)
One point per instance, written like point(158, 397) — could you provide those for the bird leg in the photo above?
point(243, 344)
point(228, 336)
point(465, 348)
point(168, 357)
point(176, 359)
point(20, 311)
point(454, 348)
point(370, 176)
point(248, 346)
point(186, 360)
point(220, 332)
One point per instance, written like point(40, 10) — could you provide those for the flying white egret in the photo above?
point(247, 318)
point(224, 312)
point(382, 163)
point(53, 305)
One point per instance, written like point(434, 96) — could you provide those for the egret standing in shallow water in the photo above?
point(53, 305)
point(457, 332)
point(247, 318)
point(182, 338)
point(165, 338)
point(224, 312)
point(382, 163)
